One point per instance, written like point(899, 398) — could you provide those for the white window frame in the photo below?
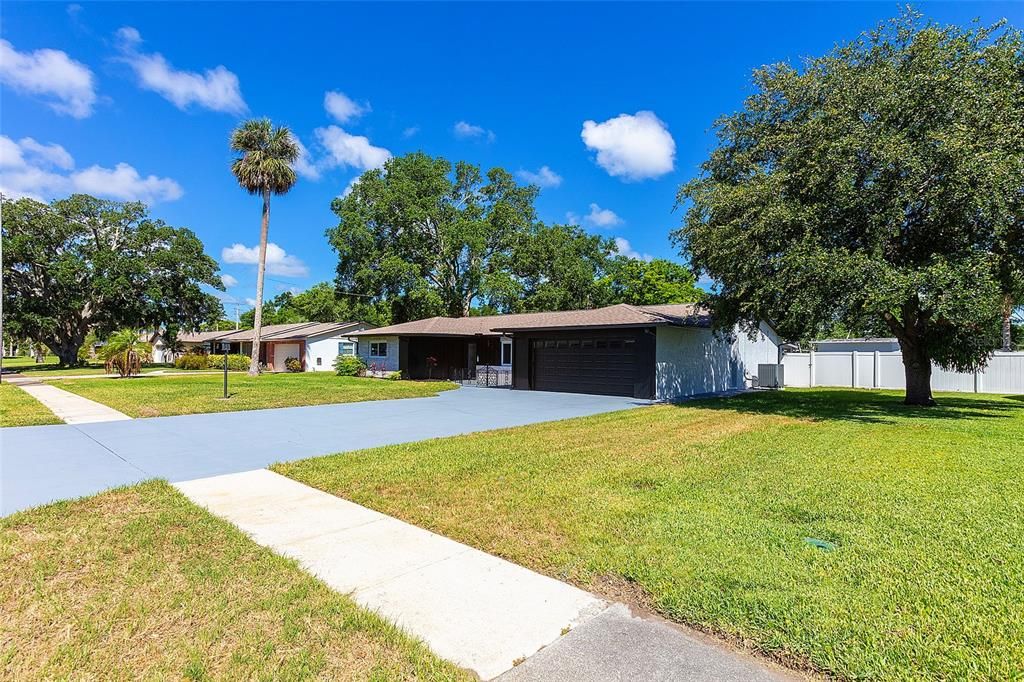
point(506, 342)
point(375, 348)
point(349, 345)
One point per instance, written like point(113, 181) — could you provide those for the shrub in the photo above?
point(192, 361)
point(293, 364)
point(236, 362)
point(124, 353)
point(349, 366)
point(393, 376)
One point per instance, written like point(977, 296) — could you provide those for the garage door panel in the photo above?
point(607, 366)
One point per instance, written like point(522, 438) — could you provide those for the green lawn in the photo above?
point(161, 396)
point(53, 369)
point(702, 512)
point(18, 408)
point(139, 583)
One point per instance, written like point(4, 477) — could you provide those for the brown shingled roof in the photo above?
point(621, 315)
point(273, 332)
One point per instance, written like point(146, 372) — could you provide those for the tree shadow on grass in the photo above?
point(863, 405)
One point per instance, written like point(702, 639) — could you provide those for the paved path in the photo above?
point(40, 464)
point(73, 409)
point(481, 612)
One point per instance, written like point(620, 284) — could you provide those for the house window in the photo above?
point(506, 352)
point(379, 349)
point(319, 361)
point(346, 348)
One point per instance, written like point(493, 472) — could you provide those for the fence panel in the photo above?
point(798, 371)
point(1004, 373)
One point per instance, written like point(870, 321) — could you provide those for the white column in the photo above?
point(876, 373)
point(810, 368)
point(856, 379)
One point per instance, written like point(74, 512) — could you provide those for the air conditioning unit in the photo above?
point(771, 376)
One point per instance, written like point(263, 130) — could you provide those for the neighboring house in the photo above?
point(315, 344)
point(160, 353)
point(861, 345)
point(660, 351)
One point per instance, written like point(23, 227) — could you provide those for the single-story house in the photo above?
point(652, 352)
point(861, 345)
point(315, 344)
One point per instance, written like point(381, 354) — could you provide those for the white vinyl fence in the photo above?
point(1004, 373)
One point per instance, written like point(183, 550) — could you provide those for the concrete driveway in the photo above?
point(40, 464)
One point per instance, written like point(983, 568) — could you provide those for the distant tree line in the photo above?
point(422, 237)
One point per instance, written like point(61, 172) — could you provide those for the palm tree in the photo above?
point(124, 353)
point(264, 167)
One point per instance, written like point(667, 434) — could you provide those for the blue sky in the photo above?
point(137, 101)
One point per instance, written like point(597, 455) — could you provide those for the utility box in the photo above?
point(771, 376)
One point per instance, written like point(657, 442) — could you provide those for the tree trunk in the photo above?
point(1007, 323)
point(66, 351)
point(257, 323)
point(918, 370)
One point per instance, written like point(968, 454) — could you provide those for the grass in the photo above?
point(18, 408)
point(53, 369)
point(138, 583)
point(162, 396)
point(702, 512)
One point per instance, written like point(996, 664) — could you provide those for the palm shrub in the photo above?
point(124, 353)
point(349, 366)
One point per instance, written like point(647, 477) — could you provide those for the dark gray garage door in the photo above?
point(603, 366)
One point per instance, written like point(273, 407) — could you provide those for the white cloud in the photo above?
point(40, 171)
point(251, 302)
point(304, 165)
point(228, 281)
point(602, 217)
point(52, 154)
point(572, 218)
point(467, 131)
point(347, 150)
point(216, 89)
point(544, 177)
point(68, 85)
point(633, 147)
point(624, 248)
point(278, 261)
point(342, 107)
point(410, 131)
point(125, 183)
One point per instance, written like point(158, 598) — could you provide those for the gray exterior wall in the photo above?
point(388, 364)
point(691, 361)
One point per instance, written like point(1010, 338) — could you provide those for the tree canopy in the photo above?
point(652, 282)
point(423, 237)
point(82, 263)
point(880, 184)
point(319, 303)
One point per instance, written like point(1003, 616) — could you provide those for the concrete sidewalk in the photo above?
point(73, 409)
point(478, 611)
